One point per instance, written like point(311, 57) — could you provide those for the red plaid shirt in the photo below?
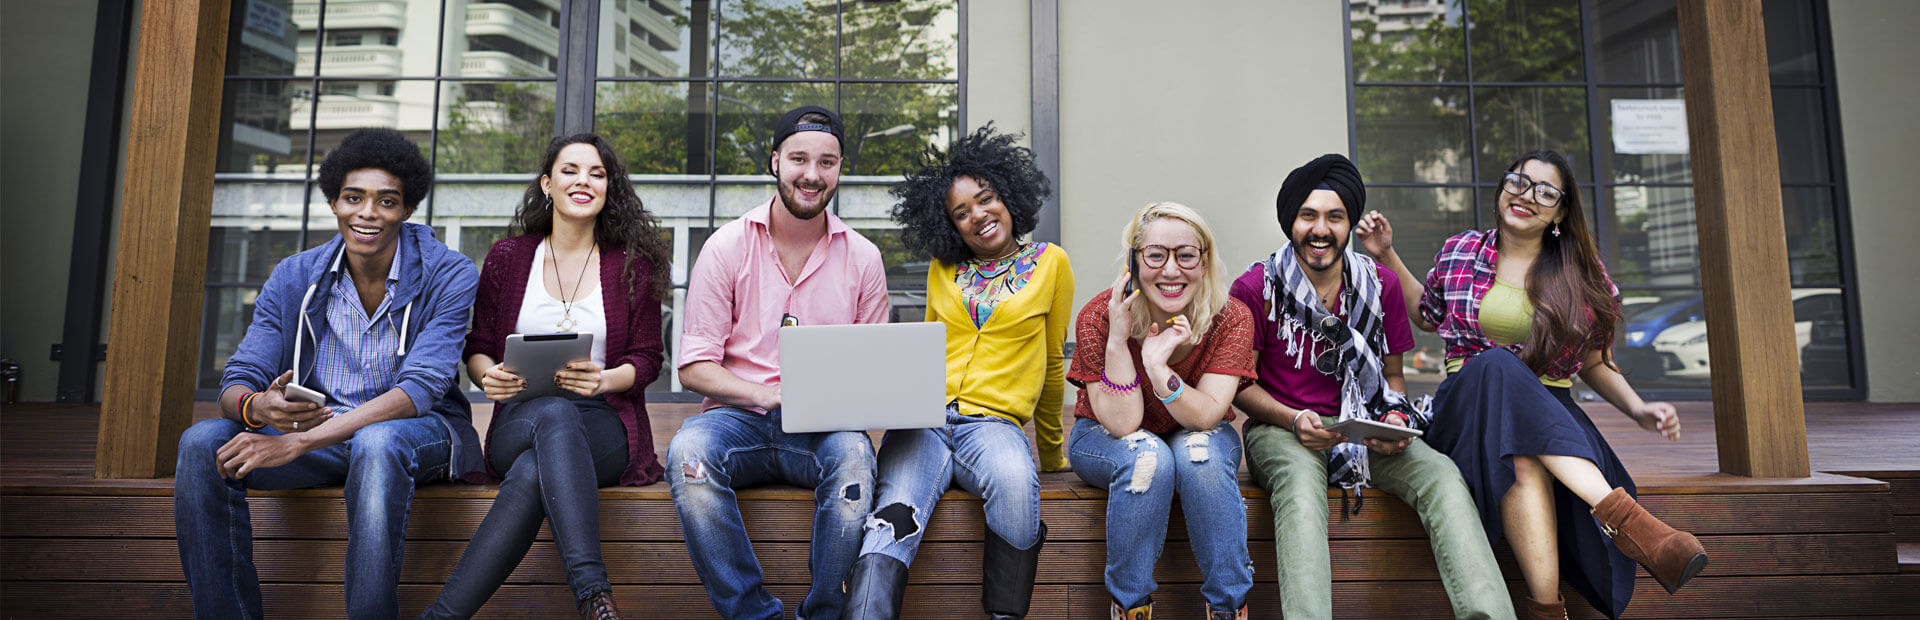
point(1462, 273)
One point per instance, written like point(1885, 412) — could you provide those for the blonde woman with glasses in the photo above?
point(1158, 359)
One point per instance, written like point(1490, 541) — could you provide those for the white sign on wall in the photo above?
point(1650, 126)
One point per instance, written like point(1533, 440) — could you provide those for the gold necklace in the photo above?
point(566, 322)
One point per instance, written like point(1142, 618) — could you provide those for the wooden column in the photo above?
point(1760, 425)
point(160, 270)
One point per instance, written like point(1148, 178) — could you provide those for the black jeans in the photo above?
point(556, 454)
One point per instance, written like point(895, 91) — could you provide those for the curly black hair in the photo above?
point(994, 160)
point(384, 149)
point(624, 222)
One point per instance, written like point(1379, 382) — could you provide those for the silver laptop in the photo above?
point(862, 377)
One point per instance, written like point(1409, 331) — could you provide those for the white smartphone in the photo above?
point(305, 395)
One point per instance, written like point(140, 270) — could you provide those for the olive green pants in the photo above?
point(1296, 479)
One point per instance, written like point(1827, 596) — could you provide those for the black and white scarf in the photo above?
point(1295, 308)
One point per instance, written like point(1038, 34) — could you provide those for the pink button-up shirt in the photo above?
point(738, 294)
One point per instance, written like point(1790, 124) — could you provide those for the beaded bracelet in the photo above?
point(1117, 388)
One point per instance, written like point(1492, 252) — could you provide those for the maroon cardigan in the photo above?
point(633, 337)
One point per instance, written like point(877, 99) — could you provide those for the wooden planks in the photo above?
point(1743, 250)
point(161, 262)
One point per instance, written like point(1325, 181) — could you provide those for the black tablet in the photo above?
point(536, 357)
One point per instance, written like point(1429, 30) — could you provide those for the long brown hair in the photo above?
point(623, 221)
point(1572, 298)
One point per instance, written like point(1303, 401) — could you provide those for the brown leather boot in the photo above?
point(599, 607)
point(1537, 610)
point(1670, 555)
point(1143, 612)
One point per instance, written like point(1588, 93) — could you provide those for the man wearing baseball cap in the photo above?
point(786, 262)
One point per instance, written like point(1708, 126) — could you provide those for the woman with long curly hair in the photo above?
point(1524, 307)
point(1006, 304)
point(589, 258)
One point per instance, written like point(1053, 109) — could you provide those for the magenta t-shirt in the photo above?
point(1304, 387)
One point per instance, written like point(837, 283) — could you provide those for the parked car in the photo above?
point(1683, 348)
point(1644, 319)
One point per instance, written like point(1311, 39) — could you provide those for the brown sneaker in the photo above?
point(1670, 555)
point(599, 607)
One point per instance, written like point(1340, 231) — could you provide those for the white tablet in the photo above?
point(536, 357)
point(1359, 431)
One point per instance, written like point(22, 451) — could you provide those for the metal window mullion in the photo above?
point(1353, 119)
point(433, 124)
point(961, 67)
point(1602, 206)
point(313, 118)
point(1842, 206)
point(1473, 105)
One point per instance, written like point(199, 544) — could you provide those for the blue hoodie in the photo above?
point(431, 303)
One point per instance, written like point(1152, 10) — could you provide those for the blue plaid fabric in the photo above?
point(359, 353)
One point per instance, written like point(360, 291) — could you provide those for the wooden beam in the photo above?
point(160, 270)
point(1760, 426)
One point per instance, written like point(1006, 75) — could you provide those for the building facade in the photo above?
point(1208, 106)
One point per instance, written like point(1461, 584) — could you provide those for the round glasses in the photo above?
point(1155, 256)
point(1544, 194)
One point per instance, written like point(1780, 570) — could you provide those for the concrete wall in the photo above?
point(1210, 108)
point(46, 53)
point(1874, 55)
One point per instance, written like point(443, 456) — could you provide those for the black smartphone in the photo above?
point(1133, 274)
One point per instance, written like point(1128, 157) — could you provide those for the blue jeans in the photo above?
point(724, 449)
point(380, 466)
point(1142, 472)
point(988, 456)
point(556, 454)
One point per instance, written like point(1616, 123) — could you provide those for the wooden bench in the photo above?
point(1820, 547)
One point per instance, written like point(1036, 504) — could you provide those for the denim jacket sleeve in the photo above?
point(433, 358)
point(258, 358)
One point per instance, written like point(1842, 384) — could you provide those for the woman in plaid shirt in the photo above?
point(1524, 307)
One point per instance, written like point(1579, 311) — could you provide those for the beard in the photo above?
point(1333, 259)
point(790, 195)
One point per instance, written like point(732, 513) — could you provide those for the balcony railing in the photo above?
point(354, 60)
point(498, 64)
point(352, 14)
point(492, 18)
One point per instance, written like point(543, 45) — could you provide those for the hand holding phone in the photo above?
point(1133, 272)
point(289, 408)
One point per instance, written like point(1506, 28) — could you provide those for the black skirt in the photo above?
point(1495, 408)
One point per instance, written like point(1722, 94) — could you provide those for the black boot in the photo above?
point(876, 587)
point(1007, 586)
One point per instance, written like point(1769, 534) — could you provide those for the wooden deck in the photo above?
point(1825, 546)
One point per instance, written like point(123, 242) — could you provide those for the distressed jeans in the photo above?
point(726, 448)
point(380, 466)
point(986, 455)
point(1142, 472)
point(1421, 476)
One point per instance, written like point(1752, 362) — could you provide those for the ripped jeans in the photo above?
point(724, 449)
point(986, 455)
point(1142, 472)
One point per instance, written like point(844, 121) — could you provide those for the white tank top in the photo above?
point(540, 313)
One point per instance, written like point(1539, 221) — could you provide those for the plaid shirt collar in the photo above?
point(1462, 273)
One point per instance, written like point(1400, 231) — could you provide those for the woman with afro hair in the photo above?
point(1007, 305)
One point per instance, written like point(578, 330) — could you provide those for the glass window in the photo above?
point(476, 86)
point(1526, 41)
point(1410, 130)
point(1413, 134)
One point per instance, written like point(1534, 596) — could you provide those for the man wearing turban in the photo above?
point(1329, 337)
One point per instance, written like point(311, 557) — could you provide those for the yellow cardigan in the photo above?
point(1013, 366)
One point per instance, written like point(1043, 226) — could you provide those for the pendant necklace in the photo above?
point(566, 322)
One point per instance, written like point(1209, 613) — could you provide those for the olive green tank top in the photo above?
point(1506, 317)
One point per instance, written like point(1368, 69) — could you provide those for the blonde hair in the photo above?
point(1209, 294)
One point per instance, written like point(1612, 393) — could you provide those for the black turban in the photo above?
point(1332, 170)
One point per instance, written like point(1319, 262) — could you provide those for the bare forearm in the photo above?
point(1259, 405)
point(1198, 407)
point(392, 405)
point(1412, 288)
point(714, 381)
point(1611, 385)
point(1119, 413)
point(230, 403)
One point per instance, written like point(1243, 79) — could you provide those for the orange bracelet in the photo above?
point(244, 402)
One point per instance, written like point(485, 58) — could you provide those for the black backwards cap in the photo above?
point(790, 124)
point(1331, 171)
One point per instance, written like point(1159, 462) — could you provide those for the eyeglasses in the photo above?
point(1155, 256)
point(1544, 194)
